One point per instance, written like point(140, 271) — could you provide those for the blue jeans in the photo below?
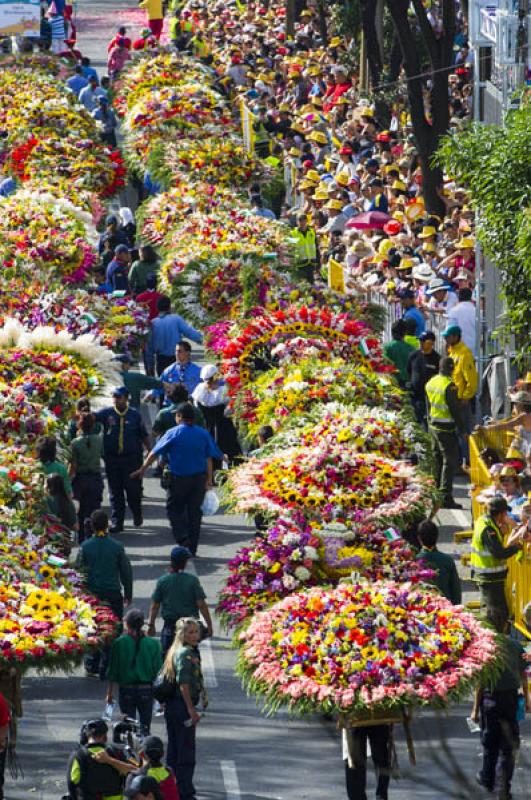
point(180, 755)
point(133, 699)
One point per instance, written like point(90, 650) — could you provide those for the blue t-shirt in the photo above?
point(420, 322)
point(189, 374)
point(187, 448)
point(77, 83)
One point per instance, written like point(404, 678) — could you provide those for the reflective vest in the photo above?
point(436, 391)
point(486, 568)
point(201, 48)
point(261, 135)
point(305, 247)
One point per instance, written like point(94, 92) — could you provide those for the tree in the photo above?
point(439, 47)
point(494, 164)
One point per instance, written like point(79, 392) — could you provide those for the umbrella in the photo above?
point(370, 219)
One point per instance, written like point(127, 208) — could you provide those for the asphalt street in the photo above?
point(241, 754)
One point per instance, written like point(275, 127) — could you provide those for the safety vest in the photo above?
point(261, 135)
point(272, 161)
point(436, 391)
point(201, 48)
point(485, 566)
point(305, 247)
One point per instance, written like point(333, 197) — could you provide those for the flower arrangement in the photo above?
point(286, 394)
point(364, 648)
point(22, 419)
point(351, 339)
point(21, 483)
point(295, 553)
point(216, 159)
point(331, 482)
point(45, 237)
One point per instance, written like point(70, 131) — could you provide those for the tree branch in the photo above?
point(427, 31)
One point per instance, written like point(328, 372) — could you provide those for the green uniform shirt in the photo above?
point(138, 274)
point(187, 663)
point(56, 467)
point(178, 594)
point(165, 419)
point(136, 382)
point(398, 352)
point(106, 566)
point(86, 453)
point(125, 669)
point(447, 580)
point(66, 512)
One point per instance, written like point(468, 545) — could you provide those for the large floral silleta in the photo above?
point(295, 553)
point(333, 482)
point(364, 648)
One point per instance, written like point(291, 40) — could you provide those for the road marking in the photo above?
point(207, 656)
point(230, 780)
point(462, 517)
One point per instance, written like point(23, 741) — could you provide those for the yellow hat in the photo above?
point(508, 472)
point(284, 107)
point(306, 13)
point(399, 185)
point(313, 71)
point(399, 215)
point(384, 246)
point(313, 175)
point(320, 195)
point(427, 232)
point(406, 263)
point(343, 179)
point(319, 137)
point(367, 111)
point(306, 185)
point(391, 167)
point(294, 151)
point(429, 247)
point(335, 41)
point(335, 204)
point(297, 127)
point(513, 452)
point(465, 243)
point(316, 101)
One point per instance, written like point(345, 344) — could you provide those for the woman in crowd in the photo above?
point(182, 666)
point(59, 503)
point(211, 398)
point(134, 663)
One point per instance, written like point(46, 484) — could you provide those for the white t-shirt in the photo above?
point(464, 315)
point(210, 397)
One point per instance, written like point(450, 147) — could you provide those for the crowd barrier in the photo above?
point(518, 585)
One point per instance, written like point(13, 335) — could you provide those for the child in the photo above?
point(152, 753)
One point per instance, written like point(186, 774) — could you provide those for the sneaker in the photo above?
point(138, 521)
point(451, 504)
point(116, 529)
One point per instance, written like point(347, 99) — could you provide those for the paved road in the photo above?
point(241, 754)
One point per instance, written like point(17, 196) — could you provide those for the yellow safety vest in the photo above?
point(261, 135)
point(436, 392)
point(201, 48)
point(305, 247)
point(485, 566)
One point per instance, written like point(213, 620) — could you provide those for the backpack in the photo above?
point(97, 780)
point(163, 689)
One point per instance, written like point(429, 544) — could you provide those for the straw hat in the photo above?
point(427, 232)
point(337, 205)
point(319, 137)
point(467, 242)
point(423, 273)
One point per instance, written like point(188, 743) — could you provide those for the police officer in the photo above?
point(489, 556)
point(306, 254)
point(496, 708)
point(124, 435)
point(189, 451)
point(444, 418)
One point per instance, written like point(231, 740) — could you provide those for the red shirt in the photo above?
point(150, 298)
point(114, 42)
point(5, 715)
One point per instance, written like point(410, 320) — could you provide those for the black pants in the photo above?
point(183, 507)
point(180, 754)
point(446, 459)
point(98, 660)
point(161, 362)
point(118, 469)
point(494, 603)
point(88, 490)
point(356, 777)
point(306, 272)
point(137, 699)
point(419, 406)
point(500, 737)
point(3, 756)
point(167, 635)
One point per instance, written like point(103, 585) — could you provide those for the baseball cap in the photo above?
point(426, 336)
point(452, 330)
point(179, 552)
point(142, 784)
point(208, 371)
point(120, 391)
point(153, 746)
point(120, 248)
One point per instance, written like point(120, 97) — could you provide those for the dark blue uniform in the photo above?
point(123, 438)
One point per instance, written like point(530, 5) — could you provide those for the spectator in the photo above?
point(463, 315)
point(422, 365)
point(167, 331)
point(407, 299)
point(398, 351)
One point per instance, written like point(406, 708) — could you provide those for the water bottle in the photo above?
point(473, 726)
point(109, 711)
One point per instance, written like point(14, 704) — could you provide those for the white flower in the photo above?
point(311, 552)
point(302, 574)
point(289, 582)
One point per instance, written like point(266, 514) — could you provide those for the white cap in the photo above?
point(208, 371)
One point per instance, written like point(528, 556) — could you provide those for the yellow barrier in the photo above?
point(518, 585)
point(247, 119)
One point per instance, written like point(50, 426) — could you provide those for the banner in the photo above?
point(22, 17)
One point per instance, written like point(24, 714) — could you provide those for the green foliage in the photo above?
point(494, 165)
